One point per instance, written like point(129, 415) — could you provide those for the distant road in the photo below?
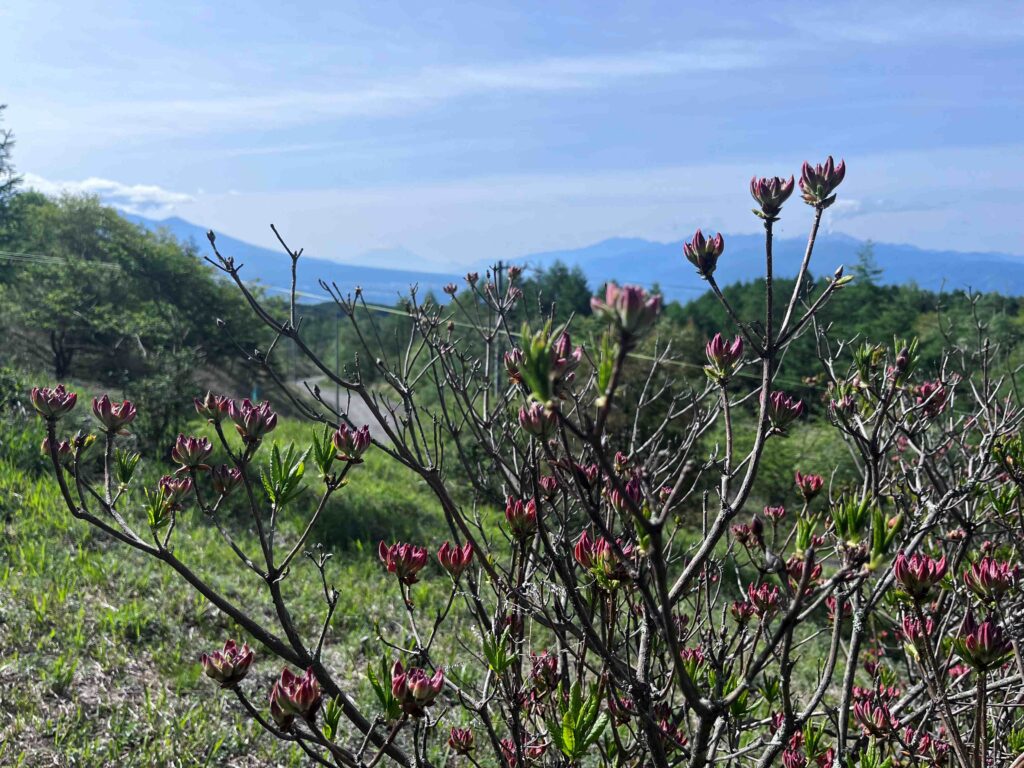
point(354, 406)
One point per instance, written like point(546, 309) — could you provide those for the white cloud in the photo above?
point(416, 90)
point(147, 199)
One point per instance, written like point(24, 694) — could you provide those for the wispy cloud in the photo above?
point(147, 199)
point(899, 23)
point(415, 90)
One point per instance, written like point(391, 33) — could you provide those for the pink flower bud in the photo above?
point(65, 454)
point(918, 574)
point(783, 410)
point(225, 479)
point(817, 183)
point(451, 289)
point(584, 551)
point(630, 308)
point(191, 452)
point(742, 611)
point(252, 421)
point(703, 253)
point(351, 444)
point(984, 646)
point(916, 631)
point(521, 516)
point(990, 579)
point(808, 485)
point(460, 741)
point(764, 599)
point(228, 666)
point(630, 499)
point(874, 718)
point(174, 490)
point(770, 193)
point(52, 404)
point(293, 696)
point(513, 360)
point(723, 357)
point(212, 407)
point(775, 513)
point(455, 559)
point(414, 689)
point(403, 560)
point(113, 416)
point(548, 486)
point(538, 420)
point(931, 397)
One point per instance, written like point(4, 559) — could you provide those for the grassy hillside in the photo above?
point(100, 645)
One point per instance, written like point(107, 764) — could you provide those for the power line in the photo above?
point(459, 324)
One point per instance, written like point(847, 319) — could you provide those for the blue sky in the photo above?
point(463, 131)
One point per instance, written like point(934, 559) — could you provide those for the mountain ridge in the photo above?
point(634, 260)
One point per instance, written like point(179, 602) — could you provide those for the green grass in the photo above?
point(99, 644)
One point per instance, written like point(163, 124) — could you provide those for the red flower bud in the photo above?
point(225, 479)
point(113, 416)
point(52, 404)
point(932, 397)
point(918, 574)
point(65, 454)
point(455, 559)
point(514, 359)
point(293, 696)
point(630, 308)
point(874, 718)
point(548, 486)
point(174, 490)
point(703, 253)
point(770, 193)
point(817, 183)
point(764, 599)
point(990, 579)
point(460, 740)
point(403, 560)
point(916, 631)
point(351, 444)
point(984, 646)
point(228, 666)
point(521, 516)
point(783, 410)
point(212, 407)
point(723, 357)
point(415, 689)
point(252, 421)
point(537, 420)
point(191, 452)
point(583, 551)
point(808, 485)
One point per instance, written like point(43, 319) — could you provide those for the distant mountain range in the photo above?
point(631, 260)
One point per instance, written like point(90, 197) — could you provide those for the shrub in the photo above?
point(633, 606)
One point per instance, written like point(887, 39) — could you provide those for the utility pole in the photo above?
point(497, 351)
point(337, 359)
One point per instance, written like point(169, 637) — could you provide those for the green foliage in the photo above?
point(101, 299)
point(380, 681)
point(283, 480)
point(498, 651)
point(558, 290)
point(582, 722)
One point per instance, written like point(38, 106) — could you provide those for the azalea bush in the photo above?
point(629, 602)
